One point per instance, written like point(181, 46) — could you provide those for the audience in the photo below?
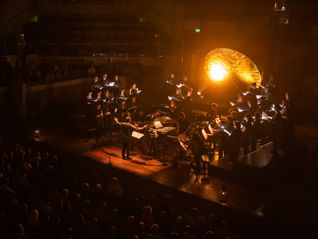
point(43, 198)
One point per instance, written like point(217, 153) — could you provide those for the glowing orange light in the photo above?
point(222, 63)
point(217, 71)
point(246, 76)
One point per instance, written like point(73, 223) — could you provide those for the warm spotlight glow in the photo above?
point(221, 63)
point(217, 72)
point(246, 75)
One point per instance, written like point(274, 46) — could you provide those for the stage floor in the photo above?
point(178, 176)
point(137, 165)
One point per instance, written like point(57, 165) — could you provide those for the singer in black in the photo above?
point(95, 87)
point(108, 113)
point(116, 86)
point(99, 121)
point(213, 113)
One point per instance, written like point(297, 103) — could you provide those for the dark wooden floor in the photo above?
point(137, 165)
point(180, 177)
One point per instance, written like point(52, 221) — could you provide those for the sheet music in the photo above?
point(210, 129)
point(137, 135)
point(166, 130)
point(205, 135)
point(157, 124)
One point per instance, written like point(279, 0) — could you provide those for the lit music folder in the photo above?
point(137, 135)
point(157, 124)
point(205, 135)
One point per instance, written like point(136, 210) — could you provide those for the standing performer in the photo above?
point(183, 123)
point(198, 149)
point(91, 108)
point(183, 84)
point(251, 97)
point(256, 131)
point(170, 84)
point(172, 113)
point(188, 95)
point(99, 122)
point(108, 112)
point(214, 120)
point(235, 142)
point(134, 90)
point(121, 110)
point(178, 95)
point(246, 133)
point(212, 115)
point(95, 87)
point(116, 87)
point(122, 96)
point(126, 132)
point(105, 82)
point(133, 93)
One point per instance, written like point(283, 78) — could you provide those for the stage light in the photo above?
point(217, 71)
point(197, 30)
point(220, 63)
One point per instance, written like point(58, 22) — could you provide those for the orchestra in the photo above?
point(250, 120)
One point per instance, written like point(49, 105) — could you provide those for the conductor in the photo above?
point(126, 129)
